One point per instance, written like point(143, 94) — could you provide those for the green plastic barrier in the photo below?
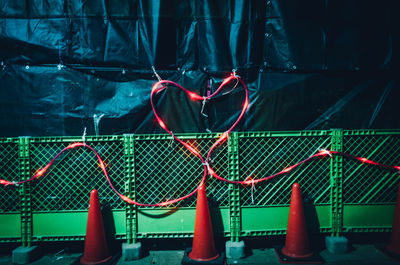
point(340, 194)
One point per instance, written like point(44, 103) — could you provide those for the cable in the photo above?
point(160, 86)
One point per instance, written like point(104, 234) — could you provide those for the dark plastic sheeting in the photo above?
point(308, 64)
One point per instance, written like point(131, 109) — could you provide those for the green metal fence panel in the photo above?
point(178, 222)
point(337, 183)
point(9, 170)
point(364, 184)
point(234, 198)
point(166, 170)
point(263, 156)
point(68, 183)
point(265, 205)
point(129, 169)
point(10, 230)
point(369, 192)
point(71, 225)
point(273, 220)
point(340, 194)
point(10, 217)
point(25, 191)
point(65, 190)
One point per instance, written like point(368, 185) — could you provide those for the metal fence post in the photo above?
point(25, 192)
point(337, 182)
point(129, 172)
point(234, 191)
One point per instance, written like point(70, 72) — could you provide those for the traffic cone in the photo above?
point(203, 240)
point(96, 250)
point(297, 244)
point(394, 244)
point(297, 247)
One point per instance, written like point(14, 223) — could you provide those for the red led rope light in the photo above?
point(42, 171)
point(161, 85)
point(223, 137)
point(207, 168)
point(155, 89)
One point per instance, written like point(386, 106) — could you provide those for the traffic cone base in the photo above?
point(392, 250)
point(88, 262)
point(295, 255)
point(109, 261)
point(191, 256)
point(388, 253)
point(313, 259)
point(186, 260)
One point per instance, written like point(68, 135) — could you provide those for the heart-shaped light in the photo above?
point(160, 86)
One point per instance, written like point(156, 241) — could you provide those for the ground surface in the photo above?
point(359, 254)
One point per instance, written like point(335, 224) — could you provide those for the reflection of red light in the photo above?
point(166, 203)
point(222, 138)
point(226, 80)
point(41, 172)
point(397, 167)
point(5, 182)
point(162, 124)
point(365, 160)
point(246, 104)
point(126, 199)
point(287, 169)
point(249, 181)
point(192, 147)
point(102, 166)
point(194, 96)
point(195, 146)
point(194, 151)
point(324, 152)
point(211, 171)
point(74, 145)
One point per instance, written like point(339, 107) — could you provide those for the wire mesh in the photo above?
point(9, 170)
point(366, 184)
point(262, 157)
point(166, 170)
point(76, 172)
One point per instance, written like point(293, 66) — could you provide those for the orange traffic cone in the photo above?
point(96, 250)
point(203, 240)
point(394, 244)
point(297, 247)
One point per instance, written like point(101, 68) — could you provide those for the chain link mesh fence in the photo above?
point(74, 174)
point(9, 170)
point(166, 170)
point(262, 157)
point(366, 184)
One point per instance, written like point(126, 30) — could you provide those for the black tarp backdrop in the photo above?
point(308, 65)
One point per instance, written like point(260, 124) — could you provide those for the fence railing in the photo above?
point(340, 194)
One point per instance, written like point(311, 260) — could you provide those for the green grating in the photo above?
point(217, 191)
point(262, 157)
point(74, 174)
point(9, 170)
point(162, 169)
point(166, 170)
point(366, 184)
